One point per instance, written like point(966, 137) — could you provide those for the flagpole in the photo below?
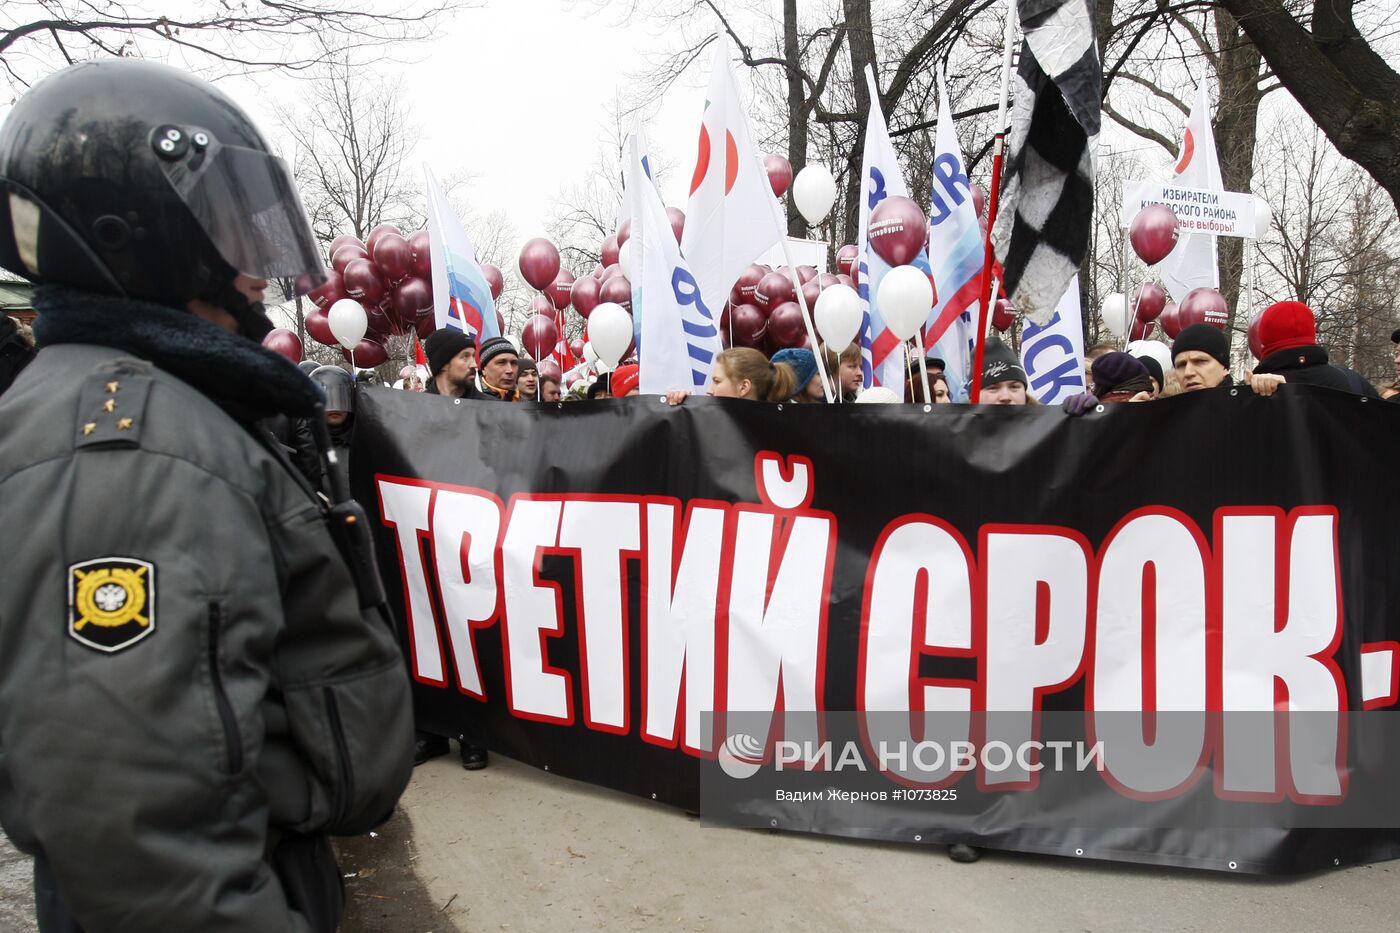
point(993, 201)
point(923, 365)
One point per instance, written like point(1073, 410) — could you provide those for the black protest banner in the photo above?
point(580, 586)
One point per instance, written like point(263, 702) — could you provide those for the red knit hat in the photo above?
point(625, 379)
point(1287, 324)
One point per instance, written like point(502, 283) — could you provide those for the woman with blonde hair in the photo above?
point(744, 373)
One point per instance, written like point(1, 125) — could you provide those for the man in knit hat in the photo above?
point(1288, 332)
point(499, 365)
point(1003, 380)
point(451, 364)
point(528, 382)
point(1201, 357)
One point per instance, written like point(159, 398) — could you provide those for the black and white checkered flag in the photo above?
point(1044, 221)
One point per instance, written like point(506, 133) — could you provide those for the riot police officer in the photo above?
point(195, 688)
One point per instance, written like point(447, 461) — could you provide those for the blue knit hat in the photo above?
point(803, 363)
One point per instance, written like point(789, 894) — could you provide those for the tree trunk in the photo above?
point(1235, 124)
point(797, 108)
point(861, 41)
point(1349, 91)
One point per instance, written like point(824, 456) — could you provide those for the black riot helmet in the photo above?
point(338, 387)
point(134, 179)
point(308, 367)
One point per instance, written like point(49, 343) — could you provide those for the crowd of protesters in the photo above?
point(1198, 359)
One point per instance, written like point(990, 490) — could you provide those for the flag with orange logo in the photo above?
point(729, 219)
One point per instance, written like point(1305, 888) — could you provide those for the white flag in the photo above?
point(1052, 353)
point(729, 219)
point(677, 335)
point(461, 296)
point(1192, 263)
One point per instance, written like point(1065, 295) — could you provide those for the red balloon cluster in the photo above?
point(763, 312)
point(390, 275)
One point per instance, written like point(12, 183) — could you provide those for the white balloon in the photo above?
point(624, 259)
point(1263, 217)
point(515, 343)
point(906, 297)
point(814, 191)
point(838, 316)
point(1115, 314)
point(348, 322)
point(1155, 349)
point(590, 356)
point(610, 332)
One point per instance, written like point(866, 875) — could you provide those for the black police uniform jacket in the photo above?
point(186, 672)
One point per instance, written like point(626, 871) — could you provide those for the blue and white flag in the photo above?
point(461, 296)
point(678, 336)
point(1052, 353)
point(882, 358)
point(956, 253)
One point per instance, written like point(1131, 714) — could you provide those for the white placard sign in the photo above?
point(1223, 213)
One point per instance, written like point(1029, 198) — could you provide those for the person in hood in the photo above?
point(1288, 334)
point(195, 688)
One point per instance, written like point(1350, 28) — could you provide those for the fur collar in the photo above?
point(243, 378)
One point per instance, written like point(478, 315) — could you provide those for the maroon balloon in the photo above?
point(560, 290)
point(549, 368)
point(1170, 319)
point(500, 322)
point(785, 325)
point(979, 198)
point(283, 341)
point(540, 304)
point(749, 325)
point(494, 280)
point(1149, 298)
point(426, 323)
point(576, 348)
point(898, 230)
point(618, 290)
point(367, 355)
point(1256, 343)
point(539, 262)
point(421, 246)
point(328, 292)
point(1140, 329)
point(1204, 306)
point(826, 280)
point(1003, 315)
point(393, 257)
point(677, 218)
point(347, 254)
point(811, 291)
point(742, 292)
point(361, 282)
point(374, 236)
point(412, 296)
point(611, 271)
point(846, 258)
point(318, 327)
point(624, 232)
point(539, 336)
point(584, 295)
point(1153, 233)
point(806, 274)
point(343, 240)
point(846, 280)
point(779, 174)
point(773, 289)
point(380, 324)
point(608, 252)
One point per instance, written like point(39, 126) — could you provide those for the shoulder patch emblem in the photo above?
point(111, 602)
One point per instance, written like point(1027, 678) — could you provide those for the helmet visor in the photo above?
point(246, 203)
